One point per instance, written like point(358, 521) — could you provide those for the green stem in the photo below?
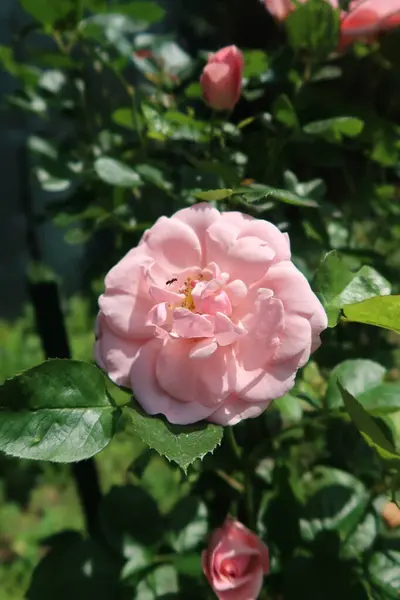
point(249, 498)
point(233, 483)
point(248, 479)
point(130, 91)
point(236, 450)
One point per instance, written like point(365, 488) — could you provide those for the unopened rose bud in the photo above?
point(221, 80)
point(391, 515)
point(235, 562)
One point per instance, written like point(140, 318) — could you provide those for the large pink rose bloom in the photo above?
point(280, 9)
point(365, 19)
point(235, 562)
point(207, 318)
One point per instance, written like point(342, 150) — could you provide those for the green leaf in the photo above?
point(357, 376)
point(332, 278)
point(381, 311)
point(193, 90)
point(284, 112)
point(125, 514)
point(335, 501)
point(141, 10)
point(382, 399)
point(124, 118)
point(335, 128)
point(174, 125)
point(47, 11)
point(153, 175)
point(289, 407)
point(77, 235)
point(385, 148)
point(59, 411)
point(117, 30)
point(42, 147)
point(188, 524)
point(179, 444)
point(177, 63)
point(362, 538)
point(338, 286)
point(327, 73)
point(76, 568)
point(28, 74)
point(185, 127)
point(369, 429)
point(214, 195)
point(384, 570)
point(256, 192)
point(188, 564)
point(366, 283)
point(55, 177)
point(314, 27)
point(256, 63)
point(116, 173)
point(312, 189)
point(160, 583)
point(158, 478)
point(137, 557)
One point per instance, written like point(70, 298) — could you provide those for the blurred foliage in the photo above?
point(119, 136)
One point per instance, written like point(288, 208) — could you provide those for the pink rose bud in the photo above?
point(221, 80)
point(365, 19)
point(235, 562)
point(391, 515)
point(280, 9)
point(207, 318)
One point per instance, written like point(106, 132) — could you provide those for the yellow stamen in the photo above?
point(188, 302)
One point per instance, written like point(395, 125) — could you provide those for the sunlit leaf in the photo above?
point(381, 311)
point(58, 411)
point(188, 524)
point(338, 286)
point(357, 376)
point(369, 429)
point(214, 195)
point(336, 126)
point(180, 444)
point(114, 172)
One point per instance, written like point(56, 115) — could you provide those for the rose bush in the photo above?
point(221, 80)
point(235, 562)
point(207, 318)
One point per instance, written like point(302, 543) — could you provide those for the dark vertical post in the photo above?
point(50, 325)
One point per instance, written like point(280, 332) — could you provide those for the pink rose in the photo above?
point(235, 562)
point(365, 19)
point(221, 80)
point(207, 318)
point(280, 9)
